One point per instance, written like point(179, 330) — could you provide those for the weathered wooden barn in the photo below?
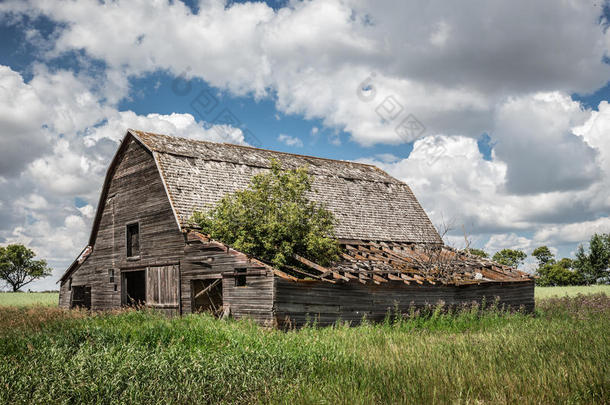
point(142, 250)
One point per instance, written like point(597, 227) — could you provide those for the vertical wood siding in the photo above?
point(162, 287)
point(135, 193)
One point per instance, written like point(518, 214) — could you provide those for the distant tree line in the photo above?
point(591, 265)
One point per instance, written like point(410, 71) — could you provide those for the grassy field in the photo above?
point(25, 299)
point(561, 354)
point(546, 292)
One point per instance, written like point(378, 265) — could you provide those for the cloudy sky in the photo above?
point(495, 113)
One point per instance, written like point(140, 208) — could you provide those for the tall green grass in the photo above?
point(559, 355)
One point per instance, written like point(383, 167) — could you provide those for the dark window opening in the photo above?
point(134, 284)
point(111, 275)
point(81, 297)
point(207, 296)
point(133, 240)
point(115, 289)
point(70, 284)
point(240, 277)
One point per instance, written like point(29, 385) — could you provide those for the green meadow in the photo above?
point(571, 291)
point(560, 354)
point(21, 299)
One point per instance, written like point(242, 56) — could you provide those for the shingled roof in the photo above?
point(367, 202)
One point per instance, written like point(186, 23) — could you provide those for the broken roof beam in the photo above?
point(348, 257)
point(325, 272)
point(311, 264)
point(407, 278)
point(208, 288)
point(395, 255)
point(349, 275)
point(284, 275)
point(306, 274)
point(379, 279)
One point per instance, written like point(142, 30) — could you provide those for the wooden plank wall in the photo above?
point(136, 193)
point(254, 300)
point(162, 290)
point(209, 260)
point(297, 302)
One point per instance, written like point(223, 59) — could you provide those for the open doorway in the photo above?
point(207, 296)
point(134, 287)
point(81, 297)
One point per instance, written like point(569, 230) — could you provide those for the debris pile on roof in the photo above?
point(419, 263)
point(378, 262)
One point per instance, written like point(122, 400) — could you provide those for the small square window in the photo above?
point(133, 240)
point(240, 277)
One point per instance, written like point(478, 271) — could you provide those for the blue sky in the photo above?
point(512, 145)
point(152, 93)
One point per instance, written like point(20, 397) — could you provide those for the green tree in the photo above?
point(478, 252)
point(594, 264)
point(18, 267)
point(559, 273)
point(543, 255)
point(509, 257)
point(273, 219)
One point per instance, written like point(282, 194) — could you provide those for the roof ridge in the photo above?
point(245, 147)
point(300, 155)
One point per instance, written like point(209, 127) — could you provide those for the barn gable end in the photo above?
point(133, 193)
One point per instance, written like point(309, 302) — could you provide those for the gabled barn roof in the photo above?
point(380, 222)
point(367, 202)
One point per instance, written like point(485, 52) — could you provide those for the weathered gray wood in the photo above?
point(208, 288)
point(209, 260)
point(135, 193)
point(297, 303)
point(162, 284)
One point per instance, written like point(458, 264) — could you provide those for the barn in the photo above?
point(143, 250)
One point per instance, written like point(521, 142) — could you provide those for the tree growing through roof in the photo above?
point(273, 219)
point(18, 267)
point(594, 263)
point(510, 257)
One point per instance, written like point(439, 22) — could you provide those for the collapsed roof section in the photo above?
point(374, 262)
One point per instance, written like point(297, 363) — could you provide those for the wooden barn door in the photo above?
point(163, 288)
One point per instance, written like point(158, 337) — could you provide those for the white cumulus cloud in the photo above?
point(290, 140)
